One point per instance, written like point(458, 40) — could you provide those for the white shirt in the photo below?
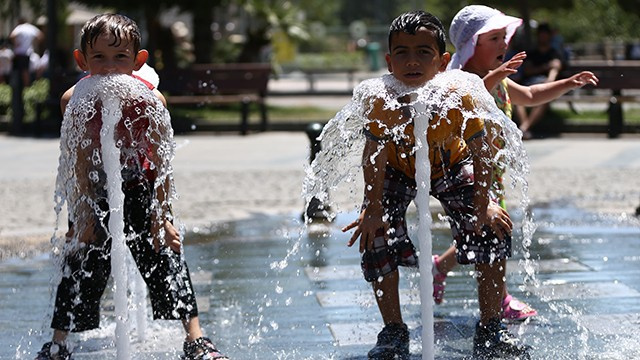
point(24, 36)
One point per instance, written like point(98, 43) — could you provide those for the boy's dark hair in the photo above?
point(121, 27)
point(410, 22)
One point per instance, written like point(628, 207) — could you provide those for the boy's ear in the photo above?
point(444, 61)
point(387, 58)
point(141, 58)
point(80, 60)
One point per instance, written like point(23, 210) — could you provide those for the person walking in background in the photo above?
point(25, 37)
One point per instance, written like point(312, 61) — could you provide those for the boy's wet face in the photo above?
point(106, 56)
point(415, 59)
point(490, 51)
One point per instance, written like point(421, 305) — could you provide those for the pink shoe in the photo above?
point(438, 281)
point(516, 310)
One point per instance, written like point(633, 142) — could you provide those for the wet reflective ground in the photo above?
point(269, 290)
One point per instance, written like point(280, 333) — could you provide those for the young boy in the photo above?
point(110, 44)
point(458, 155)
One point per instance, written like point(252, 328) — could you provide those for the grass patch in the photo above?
point(231, 114)
point(631, 117)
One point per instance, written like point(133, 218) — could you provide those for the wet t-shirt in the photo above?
point(447, 136)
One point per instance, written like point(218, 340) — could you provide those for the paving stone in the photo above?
point(360, 298)
point(560, 290)
point(612, 324)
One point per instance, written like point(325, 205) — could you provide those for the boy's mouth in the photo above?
point(413, 74)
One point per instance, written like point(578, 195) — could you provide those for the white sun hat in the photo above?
point(472, 21)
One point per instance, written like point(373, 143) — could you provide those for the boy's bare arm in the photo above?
point(374, 160)
point(487, 212)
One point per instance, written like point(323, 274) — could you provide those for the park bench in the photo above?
point(219, 84)
point(618, 77)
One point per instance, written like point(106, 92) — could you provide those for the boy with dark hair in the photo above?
point(460, 173)
point(110, 44)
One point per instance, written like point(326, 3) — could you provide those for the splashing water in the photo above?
point(343, 142)
point(116, 134)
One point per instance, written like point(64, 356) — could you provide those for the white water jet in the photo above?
point(423, 181)
point(342, 143)
point(140, 300)
point(111, 115)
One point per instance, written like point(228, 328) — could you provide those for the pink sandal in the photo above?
point(516, 310)
point(438, 280)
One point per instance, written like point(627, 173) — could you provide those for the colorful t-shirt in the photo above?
point(447, 137)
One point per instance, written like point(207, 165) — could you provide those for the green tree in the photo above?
point(263, 18)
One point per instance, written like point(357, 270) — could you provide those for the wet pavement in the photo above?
point(269, 289)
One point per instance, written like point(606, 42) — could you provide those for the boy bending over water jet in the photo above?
point(460, 174)
point(110, 44)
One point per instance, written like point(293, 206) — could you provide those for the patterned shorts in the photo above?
point(455, 192)
point(398, 250)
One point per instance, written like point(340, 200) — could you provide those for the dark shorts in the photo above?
point(455, 192)
point(87, 269)
point(398, 250)
point(21, 62)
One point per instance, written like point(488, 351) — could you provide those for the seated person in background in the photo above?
point(542, 65)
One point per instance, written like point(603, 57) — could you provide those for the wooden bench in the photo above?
point(219, 84)
point(615, 76)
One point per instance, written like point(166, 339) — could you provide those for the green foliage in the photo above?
point(592, 21)
point(37, 92)
point(330, 60)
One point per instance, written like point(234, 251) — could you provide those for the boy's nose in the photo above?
point(412, 60)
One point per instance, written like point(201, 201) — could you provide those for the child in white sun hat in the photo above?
point(481, 36)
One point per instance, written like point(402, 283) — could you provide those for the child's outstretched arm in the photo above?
point(374, 160)
point(487, 212)
point(510, 67)
point(543, 93)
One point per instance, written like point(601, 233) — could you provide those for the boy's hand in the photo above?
point(367, 224)
point(171, 236)
point(583, 78)
point(497, 219)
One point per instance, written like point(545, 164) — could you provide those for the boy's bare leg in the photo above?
point(388, 298)
point(192, 327)
point(490, 289)
point(60, 336)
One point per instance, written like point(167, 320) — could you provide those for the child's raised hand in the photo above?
point(583, 78)
point(509, 67)
point(367, 225)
